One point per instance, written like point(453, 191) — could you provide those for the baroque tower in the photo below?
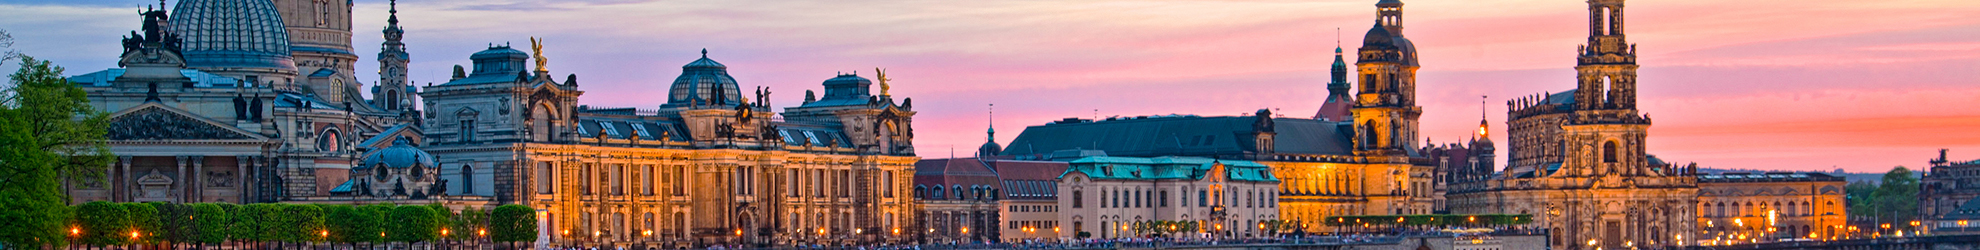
point(391, 93)
point(320, 40)
point(1338, 97)
point(1605, 134)
point(1385, 113)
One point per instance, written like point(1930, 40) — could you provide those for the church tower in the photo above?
point(391, 93)
point(320, 40)
point(1607, 64)
point(1339, 100)
point(1605, 134)
point(1385, 111)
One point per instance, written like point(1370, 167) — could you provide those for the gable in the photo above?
point(156, 122)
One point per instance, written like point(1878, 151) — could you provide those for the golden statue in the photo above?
point(542, 64)
point(883, 80)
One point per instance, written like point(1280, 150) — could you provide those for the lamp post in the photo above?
point(74, 232)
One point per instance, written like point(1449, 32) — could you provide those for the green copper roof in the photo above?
point(1166, 168)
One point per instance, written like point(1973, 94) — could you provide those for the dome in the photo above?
point(704, 82)
point(399, 155)
point(232, 34)
point(499, 52)
point(1378, 37)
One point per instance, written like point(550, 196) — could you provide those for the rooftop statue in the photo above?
point(536, 45)
point(882, 77)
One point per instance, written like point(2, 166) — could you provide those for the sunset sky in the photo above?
point(1757, 84)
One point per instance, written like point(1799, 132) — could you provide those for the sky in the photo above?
point(1811, 85)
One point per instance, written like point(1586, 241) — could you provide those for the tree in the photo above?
point(102, 223)
point(512, 223)
point(211, 224)
point(48, 134)
point(240, 225)
point(372, 221)
point(177, 223)
point(258, 223)
point(304, 223)
point(1897, 197)
point(414, 224)
point(468, 223)
point(144, 221)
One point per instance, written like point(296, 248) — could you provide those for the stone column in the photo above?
point(241, 166)
point(197, 182)
point(123, 188)
point(179, 182)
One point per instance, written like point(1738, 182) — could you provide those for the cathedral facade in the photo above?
point(710, 166)
point(238, 101)
point(1578, 161)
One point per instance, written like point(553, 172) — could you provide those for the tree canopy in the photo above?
point(48, 133)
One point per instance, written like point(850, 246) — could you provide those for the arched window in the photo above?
point(327, 141)
point(936, 194)
point(1609, 152)
point(1368, 135)
point(960, 194)
point(1078, 199)
point(392, 100)
point(467, 179)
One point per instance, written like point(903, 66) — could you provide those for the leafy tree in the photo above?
point(211, 224)
point(144, 221)
point(372, 220)
point(512, 223)
point(304, 223)
point(103, 223)
point(257, 223)
point(414, 224)
point(48, 133)
point(240, 226)
point(468, 223)
point(1897, 197)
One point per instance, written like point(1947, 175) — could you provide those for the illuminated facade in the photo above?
point(710, 166)
point(1578, 161)
point(1768, 206)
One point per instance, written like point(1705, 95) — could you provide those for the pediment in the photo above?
point(155, 121)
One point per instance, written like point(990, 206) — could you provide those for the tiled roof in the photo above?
point(1181, 136)
point(1167, 167)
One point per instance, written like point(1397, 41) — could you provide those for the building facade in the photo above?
point(958, 201)
point(710, 166)
point(1578, 161)
point(236, 101)
point(1768, 207)
point(1944, 188)
point(1031, 199)
point(1110, 197)
point(1359, 154)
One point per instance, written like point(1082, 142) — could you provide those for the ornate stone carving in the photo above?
point(154, 123)
point(220, 179)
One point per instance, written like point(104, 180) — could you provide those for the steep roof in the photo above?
point(1167, 168)
point(1181, 136)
